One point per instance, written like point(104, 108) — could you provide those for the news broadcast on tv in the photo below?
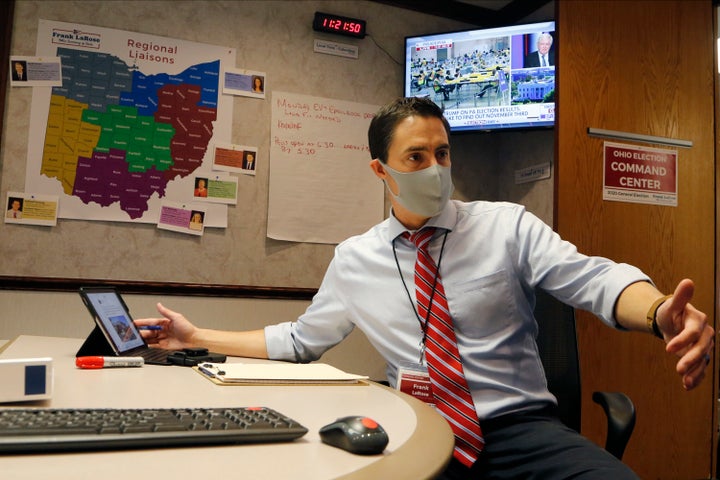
point(486, 79)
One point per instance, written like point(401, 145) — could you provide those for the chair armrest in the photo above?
point(620, 413)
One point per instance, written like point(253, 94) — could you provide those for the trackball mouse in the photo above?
point(355, 434)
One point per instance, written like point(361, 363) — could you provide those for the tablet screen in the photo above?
point(110, 310)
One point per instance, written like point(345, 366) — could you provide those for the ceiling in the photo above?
point(483, 13)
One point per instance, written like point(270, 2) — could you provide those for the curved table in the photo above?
point(420, 446)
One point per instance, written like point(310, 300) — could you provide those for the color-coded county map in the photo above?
point(115, 135)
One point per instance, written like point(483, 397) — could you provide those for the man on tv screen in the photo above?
point(543, 56)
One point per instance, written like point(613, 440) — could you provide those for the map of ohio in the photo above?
point(115, 135)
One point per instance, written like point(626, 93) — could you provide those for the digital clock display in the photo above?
point(352, 27)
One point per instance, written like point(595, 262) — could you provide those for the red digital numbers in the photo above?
point(336, 24)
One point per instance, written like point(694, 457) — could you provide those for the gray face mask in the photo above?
point(424, 192)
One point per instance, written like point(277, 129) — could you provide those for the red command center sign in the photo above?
point(640, 174)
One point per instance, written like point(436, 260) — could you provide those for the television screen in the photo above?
point(486, 79)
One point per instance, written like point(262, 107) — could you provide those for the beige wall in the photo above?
point(64, 315)
point(484, 163)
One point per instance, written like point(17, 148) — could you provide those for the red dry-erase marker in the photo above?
point(108, 362)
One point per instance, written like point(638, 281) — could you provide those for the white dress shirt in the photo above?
point(496, 254)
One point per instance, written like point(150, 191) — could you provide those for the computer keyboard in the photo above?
point(47, 430)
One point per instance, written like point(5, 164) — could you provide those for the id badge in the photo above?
point(414, 380)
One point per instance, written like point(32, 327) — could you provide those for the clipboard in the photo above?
point(277, 374)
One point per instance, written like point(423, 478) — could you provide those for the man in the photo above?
point(542, 57)
point(15, 210)
point(491, 258)
point(249, 161)
point(18, 73)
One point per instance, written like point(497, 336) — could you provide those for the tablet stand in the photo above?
point(96, 345)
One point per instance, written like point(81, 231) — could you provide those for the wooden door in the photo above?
point(643, 67)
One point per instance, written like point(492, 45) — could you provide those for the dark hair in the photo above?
point(382, 126)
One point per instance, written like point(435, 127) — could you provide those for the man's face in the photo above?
point(418, 143)
point(544, 46)
point(16, 205)
point(19, 68)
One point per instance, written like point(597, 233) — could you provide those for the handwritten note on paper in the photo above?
point(321, 187)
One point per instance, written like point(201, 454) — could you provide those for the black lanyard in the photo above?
point(413, 304)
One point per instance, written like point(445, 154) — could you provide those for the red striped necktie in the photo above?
point(450, 389)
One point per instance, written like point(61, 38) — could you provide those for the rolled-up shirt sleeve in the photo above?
point(589, 283)
point(323, 325)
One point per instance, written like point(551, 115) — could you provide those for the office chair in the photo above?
point(557, 343)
